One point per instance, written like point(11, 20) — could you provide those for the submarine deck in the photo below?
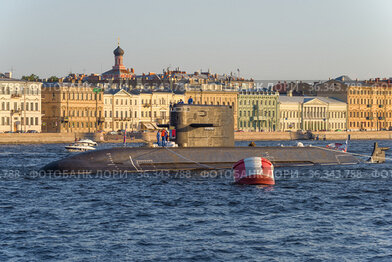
point(128, 159)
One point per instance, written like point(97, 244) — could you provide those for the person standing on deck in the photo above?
point(158, 136)
point(167, 136)
point(190, 100)
point(163, 136)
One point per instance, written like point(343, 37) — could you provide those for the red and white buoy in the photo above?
point(254, 171)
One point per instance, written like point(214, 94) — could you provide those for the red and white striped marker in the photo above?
point(254, 171)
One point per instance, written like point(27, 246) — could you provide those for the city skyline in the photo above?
point(264, 39)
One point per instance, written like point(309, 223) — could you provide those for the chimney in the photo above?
point(8, 74)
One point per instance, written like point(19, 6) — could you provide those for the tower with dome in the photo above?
point(118, 71)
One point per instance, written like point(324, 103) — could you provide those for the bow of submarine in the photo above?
point(87, 162)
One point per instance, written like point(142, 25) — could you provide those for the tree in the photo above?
point(32, 77)
point(53, 79)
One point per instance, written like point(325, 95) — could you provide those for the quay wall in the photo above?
point(148, 137)
point(270, 136)
point(42, 138)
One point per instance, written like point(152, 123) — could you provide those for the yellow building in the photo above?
point(369, 106)
point(368, 102)
point(212, 94)
point(71, 107)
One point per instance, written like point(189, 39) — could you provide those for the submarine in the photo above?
point(205, 139)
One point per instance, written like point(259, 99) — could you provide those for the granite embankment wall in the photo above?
point(41, 138)
point(46, 138)
point(365, 135)
point(277, 136)
point(267, 136)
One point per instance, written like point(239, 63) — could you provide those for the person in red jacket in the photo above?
point(163, 136)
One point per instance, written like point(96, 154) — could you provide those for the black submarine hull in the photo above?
point(128, 159)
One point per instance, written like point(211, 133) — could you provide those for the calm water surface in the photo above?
point(311, 214)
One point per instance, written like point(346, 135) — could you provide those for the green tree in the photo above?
point(53, 79)
point(32, 77)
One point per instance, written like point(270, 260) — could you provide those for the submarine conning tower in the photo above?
point(203, 125)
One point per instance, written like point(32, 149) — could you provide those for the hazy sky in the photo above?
point(276, 39)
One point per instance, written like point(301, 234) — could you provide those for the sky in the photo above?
point(265, 39)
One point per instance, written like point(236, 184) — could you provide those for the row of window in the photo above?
point(363, 101)
point(370, 124)
point(307, 125)
point(270, 102)
point(368, 92)
point(253, 113)
point(81, 113)
point(6, 106)
point(323, 114)
point(254, 125)
point(120, 101)
point(313, 126)
point(124, 114)
point(29, 91)
point(369, 114)
point(120, 125)
point(79, 96)
point(79, 124)
point(30, 121)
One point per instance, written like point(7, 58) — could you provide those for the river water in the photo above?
point(312, 213)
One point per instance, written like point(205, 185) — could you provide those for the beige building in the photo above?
point(137, 109)
point(71, 107)
point(155, 107)
point(20, 105)
point(312, 113)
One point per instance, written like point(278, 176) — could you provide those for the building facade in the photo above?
point(20, 105)
point(368, 102)
point(137, 109)
point(71, 107)
point(120, 110)
point(312, 114)
point(370, 106)
point(155, 107)
point(258, 111)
